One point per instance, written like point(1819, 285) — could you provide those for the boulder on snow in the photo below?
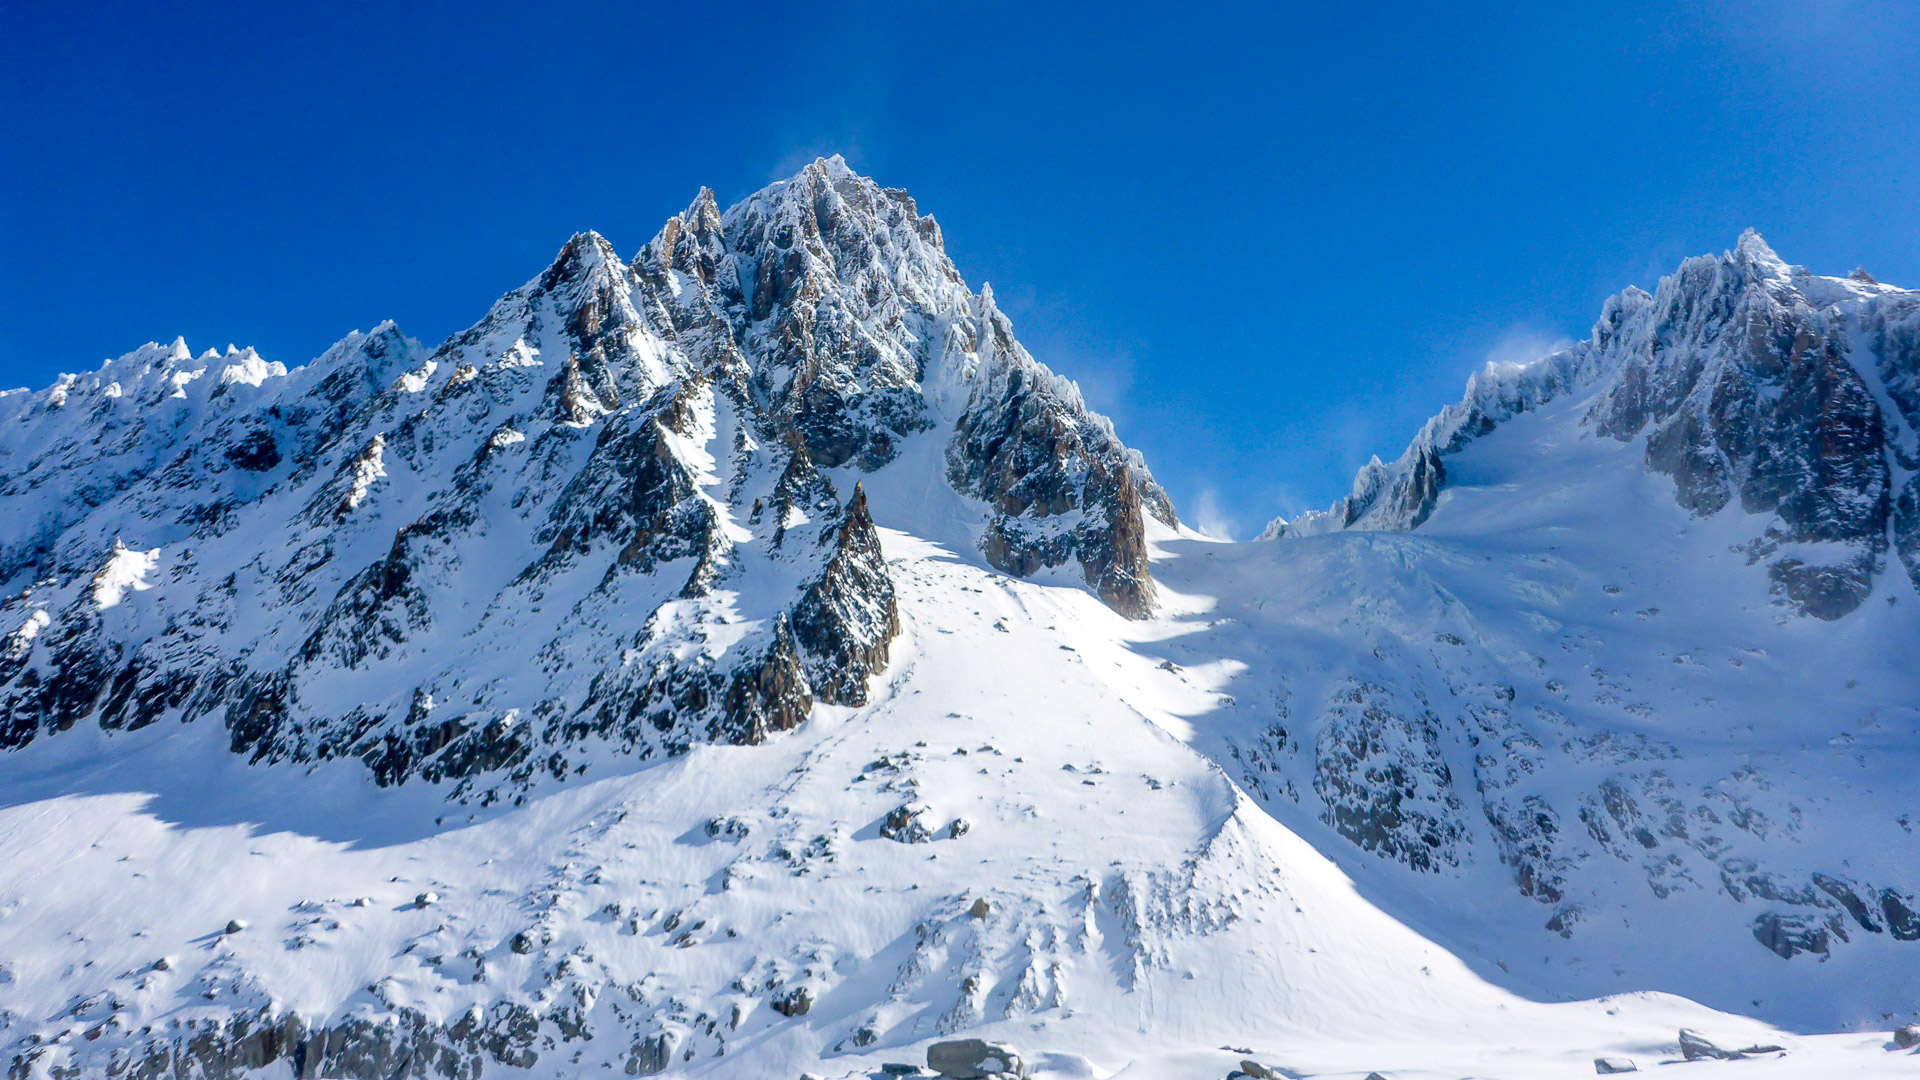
point(974, 1059)
point(1696, 1047)
point(1610, 1065)
point(981, 908)
point(906, 825)
point(1907, 1036)
point(1250, 1067)
point(234, 926)
point(899, 1068)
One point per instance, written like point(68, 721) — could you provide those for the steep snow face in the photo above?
point(1564, 728)
point(1534, 665)
point(1751, 384)
point(610, 520)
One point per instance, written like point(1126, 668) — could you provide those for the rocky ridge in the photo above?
point(1757, 387)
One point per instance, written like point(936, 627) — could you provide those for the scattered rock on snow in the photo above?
point(651, 1055)
point(795, 1003)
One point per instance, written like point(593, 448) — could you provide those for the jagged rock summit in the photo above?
point(613, 516)
point(1759, 388)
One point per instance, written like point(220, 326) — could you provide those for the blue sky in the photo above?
point(1269, 240)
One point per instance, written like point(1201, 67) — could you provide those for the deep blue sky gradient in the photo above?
point(1269, 240)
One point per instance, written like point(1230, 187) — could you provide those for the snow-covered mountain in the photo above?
point(1628, 631)
point(1747, 381)
point(747, 659)
point(617, 516)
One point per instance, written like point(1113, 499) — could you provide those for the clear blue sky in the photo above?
point(1268, 240)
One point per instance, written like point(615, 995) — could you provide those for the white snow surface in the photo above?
point(1145, 911)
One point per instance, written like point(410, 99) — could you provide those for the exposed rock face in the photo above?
point(1061, 485)
point(601, 514)
point(1752, 384)
point(847, 617)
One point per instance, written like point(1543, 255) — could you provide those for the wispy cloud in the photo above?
point(1212, 518)
point(1525, 344)
point(799, 156)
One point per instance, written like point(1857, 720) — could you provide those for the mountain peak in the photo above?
point(1752, 251)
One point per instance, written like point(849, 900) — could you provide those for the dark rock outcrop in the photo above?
point(847, 617)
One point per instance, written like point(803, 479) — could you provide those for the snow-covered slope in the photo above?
point(1558, 656)
point(1135, 910)
point(744, 660)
